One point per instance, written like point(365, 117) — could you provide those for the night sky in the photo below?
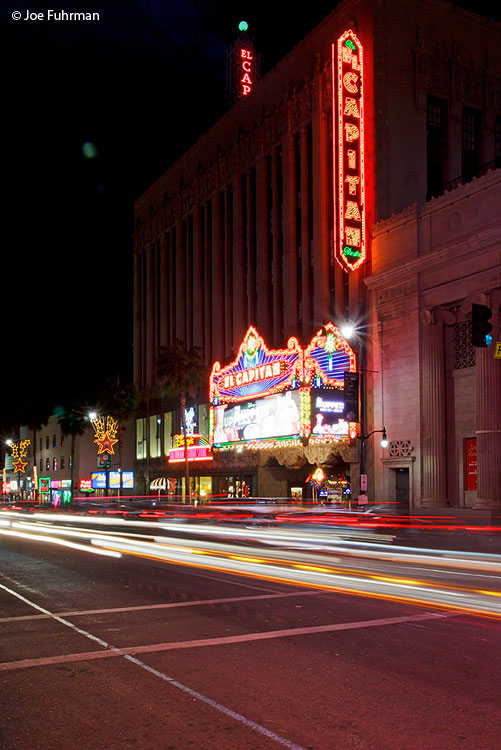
point(139, 86)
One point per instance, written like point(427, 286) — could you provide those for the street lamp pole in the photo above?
point(348, 329)
point(362, 384)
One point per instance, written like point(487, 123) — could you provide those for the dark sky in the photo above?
point(141, 84)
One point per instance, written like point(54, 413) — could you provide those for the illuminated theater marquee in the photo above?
point(349, 110)
point(268, 396)
point(257, 370)
point(252, 375)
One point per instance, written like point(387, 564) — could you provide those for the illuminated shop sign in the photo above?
point(270, 417)
point(85, 485)
point(197, 449)
point(98, 480)
point(44, 484)
point(349, 111)
point(267, 395)
point(127, 482)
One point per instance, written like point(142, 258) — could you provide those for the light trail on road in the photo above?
point(312, 558)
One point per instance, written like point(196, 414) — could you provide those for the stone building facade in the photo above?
point(438, 396)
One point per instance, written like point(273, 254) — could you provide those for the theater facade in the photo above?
point(356, 182)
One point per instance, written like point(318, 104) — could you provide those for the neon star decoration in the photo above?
point(20, 465)
point(20, 451)
point(105, 429)
point(348, 111)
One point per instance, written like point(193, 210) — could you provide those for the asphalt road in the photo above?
point(121, 654)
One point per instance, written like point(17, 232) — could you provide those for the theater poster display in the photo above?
point(327, 414)
point(272, 395)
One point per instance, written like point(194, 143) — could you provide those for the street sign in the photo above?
point(363, 482)
point(104, 461)
point(497, 350)
point(363, 500)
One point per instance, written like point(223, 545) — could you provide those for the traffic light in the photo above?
point(480, 327)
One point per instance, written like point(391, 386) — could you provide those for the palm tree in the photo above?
point(72, 422)
point(180, 373)
point(119, 401)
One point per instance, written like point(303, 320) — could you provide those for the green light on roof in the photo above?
point(243, 26)
point(349, 43)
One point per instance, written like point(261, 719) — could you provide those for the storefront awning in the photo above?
point(158, 484)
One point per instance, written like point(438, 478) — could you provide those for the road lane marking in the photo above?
point(240, 718)
point(167, 605)
point(205, 642)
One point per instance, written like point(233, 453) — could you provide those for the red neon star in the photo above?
point(106, 444)
point(19, 465)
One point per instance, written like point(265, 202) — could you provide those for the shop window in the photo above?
point(141, 442)
point(155, 435)
point(54, 464)
point(62, 463)
point(54, 441)
point(168, 431)
point(436, 146)
point(47, 463)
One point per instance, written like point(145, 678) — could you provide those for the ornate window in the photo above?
point(464, 351)
point(400, 448)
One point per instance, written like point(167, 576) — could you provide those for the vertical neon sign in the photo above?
point(347, 70)
point(246, 81)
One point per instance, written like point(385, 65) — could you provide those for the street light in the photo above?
point(349, 329)
point(384, 442)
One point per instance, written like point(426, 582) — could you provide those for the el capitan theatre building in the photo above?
point(358, 179)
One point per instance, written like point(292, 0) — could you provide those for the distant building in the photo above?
point(338, 189)
point(47, 474)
